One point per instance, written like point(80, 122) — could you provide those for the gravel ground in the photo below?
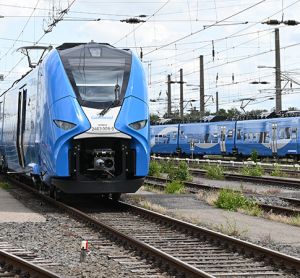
point(58, 239)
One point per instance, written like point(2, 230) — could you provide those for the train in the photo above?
point(78, 122)
point(269, 137)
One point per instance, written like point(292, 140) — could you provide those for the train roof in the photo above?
point(68, 45)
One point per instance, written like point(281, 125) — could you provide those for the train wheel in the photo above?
point(57, 194)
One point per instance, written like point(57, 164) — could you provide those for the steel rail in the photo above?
point(295, 183)
point(171, 262)
point(23, 268)
point(135, 244)
point(156, 181)
point(277, 257)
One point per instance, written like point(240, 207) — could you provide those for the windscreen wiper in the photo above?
point(105, 110)
point(115, 102)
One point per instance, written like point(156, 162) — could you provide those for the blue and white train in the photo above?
point(278, 137)
point(78, 122)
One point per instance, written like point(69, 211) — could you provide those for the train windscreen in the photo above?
point(98, 73)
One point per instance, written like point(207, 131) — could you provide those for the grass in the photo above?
point(256, 171)
point(179, 172)
point(231, 200)
point(215, 172)
point(154, 207)
point(151, 188)
point(154, 168)
point(175, 187)
point(210, 197)
point(230, 228)
point(291, 220)
point(4, 185)
point(277, 172)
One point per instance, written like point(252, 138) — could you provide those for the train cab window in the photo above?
point(98, 73)
point(287, 133)
point(294, 133)
point(239, 135)
point(230, 134)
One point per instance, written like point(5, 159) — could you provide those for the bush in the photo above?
point(174, 187)
point(256, 171)
point(179, 172)
point(277, 172)
point(254, 155)
point(154, 168)
point(230, 200)
point(215, 172)
point(167, 165)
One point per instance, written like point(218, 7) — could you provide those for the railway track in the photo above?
point(277, 181)
point(195, 187)
point(289, 170)
point(17, 262)
point(179, 248)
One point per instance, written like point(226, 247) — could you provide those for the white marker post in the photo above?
point(84, 250)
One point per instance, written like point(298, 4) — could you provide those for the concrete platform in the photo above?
point(11, 210)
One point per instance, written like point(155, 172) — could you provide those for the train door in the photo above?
point(273, 141)
point(222, 139)
point(21, 126)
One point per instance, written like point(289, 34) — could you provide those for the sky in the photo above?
point(175, 33)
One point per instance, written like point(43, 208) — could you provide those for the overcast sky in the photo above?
point(175, 34)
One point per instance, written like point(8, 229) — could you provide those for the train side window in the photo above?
point(230, 134)
point(239, 135)
point(261, 137)
point(267, 137)
point(1, 112)
point(245, 136)
point(287, 133)
point(206, 138)
point(174, 135)
point(294, 133)
point(281, 133)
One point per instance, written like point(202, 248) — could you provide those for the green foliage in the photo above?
point(166, 166)
point(175, 187)
point(154, 168)
point(231, 200)
point(256, 171)
point(4, 185)
point(215, 172)
point(179, 172)
point(277, 172)
point(254, 155)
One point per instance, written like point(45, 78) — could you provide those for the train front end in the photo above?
point(105, 142)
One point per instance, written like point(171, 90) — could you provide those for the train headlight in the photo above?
point(138, 125)
point(63, 124)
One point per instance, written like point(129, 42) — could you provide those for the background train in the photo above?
point(270, 137)
point(78, 121)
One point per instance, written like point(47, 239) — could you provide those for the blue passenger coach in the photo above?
point(78, 122)
point(269, 137)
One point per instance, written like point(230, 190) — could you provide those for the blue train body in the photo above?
point(269, 137)
point(79, 121)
